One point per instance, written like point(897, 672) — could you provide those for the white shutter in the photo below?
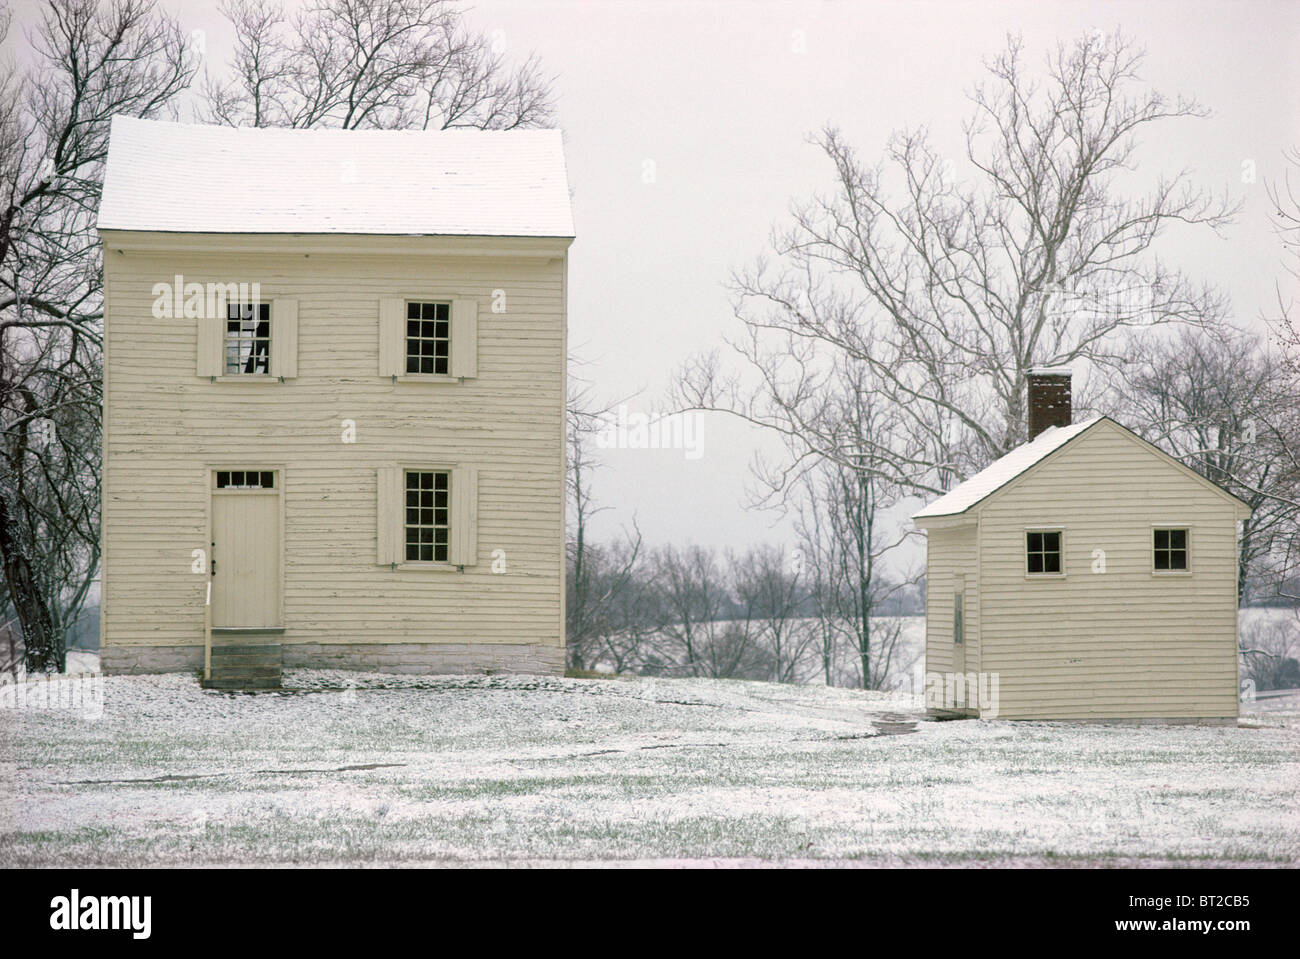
point(464, 338)
point(390, 515)
point(392, 336)
point(211, 335)
point(464, 516)
point(284, 337)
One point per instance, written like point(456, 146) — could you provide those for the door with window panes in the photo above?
point(245, 562)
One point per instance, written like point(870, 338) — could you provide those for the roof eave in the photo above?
point(966, 517)
point(450, 244)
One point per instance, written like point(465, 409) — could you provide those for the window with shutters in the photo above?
point(250, 342)
point(428, 338)
point(248, 339)
point(425, 339)
point(428, 516)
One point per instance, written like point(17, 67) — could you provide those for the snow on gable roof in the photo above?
point(1003, 470)
point(188, 178)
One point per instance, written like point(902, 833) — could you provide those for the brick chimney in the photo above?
point(1049, 398)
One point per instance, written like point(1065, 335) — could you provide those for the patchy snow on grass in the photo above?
point(360, 768)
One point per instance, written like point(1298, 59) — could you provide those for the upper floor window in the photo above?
point(425, 338)
point(428, 337)
point(1170, 550)
point(250, 342)
point(248, 338)
point(1043, 551)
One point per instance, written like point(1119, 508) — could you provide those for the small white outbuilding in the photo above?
point(1084, 575)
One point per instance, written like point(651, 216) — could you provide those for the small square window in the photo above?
point(427, 527)
point(428, 337)
point(1043, 552)
point(1169, 550)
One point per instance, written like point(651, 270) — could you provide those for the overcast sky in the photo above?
point(720, 98)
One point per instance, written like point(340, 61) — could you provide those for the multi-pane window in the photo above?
point(248, 338)
point(245, 479)
point(428, 516)
point(1043, 551)
point(428, 337)
point(1170, 547)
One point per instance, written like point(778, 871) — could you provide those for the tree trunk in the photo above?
point(44, 650)
point(1243, 567)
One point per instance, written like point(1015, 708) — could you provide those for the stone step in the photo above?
point(237, 661)
point(246, 649)
point(247, 673)
point(245, 665)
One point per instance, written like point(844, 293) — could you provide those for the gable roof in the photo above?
point(1025, 457)
point(1003, 470)
point(191, 178)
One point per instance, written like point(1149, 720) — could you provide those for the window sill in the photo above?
point(1047, 576)
point(246, 378)
point(1171, 572)
point(431, 567)
point(427, 378)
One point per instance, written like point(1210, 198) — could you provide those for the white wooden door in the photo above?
point(245, 559)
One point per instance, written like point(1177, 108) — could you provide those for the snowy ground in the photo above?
point(484, 770)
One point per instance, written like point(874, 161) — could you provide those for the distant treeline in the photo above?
point(767, 613)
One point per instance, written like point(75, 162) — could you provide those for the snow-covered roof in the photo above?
point(188, 178)
point(1003, 470)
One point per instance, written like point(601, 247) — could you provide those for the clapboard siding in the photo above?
point(951, 557)
point(165, 426)
point(1125, 643)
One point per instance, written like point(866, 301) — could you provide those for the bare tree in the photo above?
point(1270, 651)
point(848, 538)
point(769, 582)
point(838, 474)
point(53, 459)
point(624, 628)
point(10, 657)
point(951, 289)
point(92, 61)
point(383, 64)
point(602, 615)
point(1219, 402)
point(705, 628)
point(1284, 194)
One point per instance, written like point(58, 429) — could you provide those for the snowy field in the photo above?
point(489, 770)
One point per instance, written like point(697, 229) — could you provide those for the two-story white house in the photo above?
point(334, 393)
